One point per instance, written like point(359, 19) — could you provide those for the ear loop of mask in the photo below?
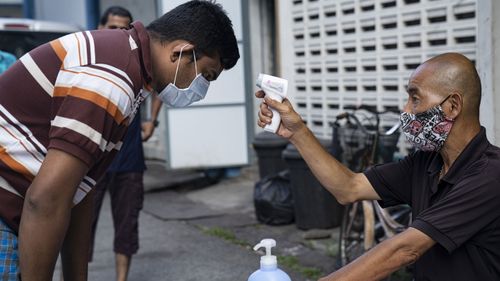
point(445, 100)
point(179, 63)
point(441, 105)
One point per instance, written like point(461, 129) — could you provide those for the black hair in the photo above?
point(115, 10)
point(205, 24)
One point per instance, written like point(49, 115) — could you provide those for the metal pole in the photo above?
point(29, 9)
point(92, 12)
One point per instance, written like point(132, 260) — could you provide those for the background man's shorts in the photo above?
point(127, 195)
point(9, 257)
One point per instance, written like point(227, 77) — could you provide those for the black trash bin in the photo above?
point(315, 207)
point(269, 147)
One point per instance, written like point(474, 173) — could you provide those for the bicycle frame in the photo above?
point(366, 223)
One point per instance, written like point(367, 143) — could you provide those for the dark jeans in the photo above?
point(127, 195)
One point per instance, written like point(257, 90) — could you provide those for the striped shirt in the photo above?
point(75, 94)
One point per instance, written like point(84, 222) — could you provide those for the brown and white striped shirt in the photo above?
point(75, 94)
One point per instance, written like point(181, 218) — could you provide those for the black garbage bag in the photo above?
point(273, 199)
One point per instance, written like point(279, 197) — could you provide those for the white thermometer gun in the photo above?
point(276, 89)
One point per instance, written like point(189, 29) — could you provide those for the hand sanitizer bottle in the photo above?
point(275, 88)
point(269, 270)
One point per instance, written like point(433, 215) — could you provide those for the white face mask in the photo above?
point(196, 91)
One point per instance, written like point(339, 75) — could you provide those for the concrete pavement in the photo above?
point(194, 229)
point(192, 233)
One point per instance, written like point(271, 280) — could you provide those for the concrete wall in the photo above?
point(339, 54)
point(263, 40)
point(489, 65)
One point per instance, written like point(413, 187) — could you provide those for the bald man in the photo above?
point(452, 182)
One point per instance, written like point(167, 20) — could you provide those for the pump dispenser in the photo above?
point(269, 270)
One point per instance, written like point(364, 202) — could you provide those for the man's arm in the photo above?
point(75, 249)
point(148, 127)
point(387, 257)
point(46, 214)
point(344, 184)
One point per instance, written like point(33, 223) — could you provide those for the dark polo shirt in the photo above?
point(461, 212)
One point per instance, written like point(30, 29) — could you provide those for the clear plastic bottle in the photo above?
point(269, 270)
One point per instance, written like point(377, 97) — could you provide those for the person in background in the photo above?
point(115, 17)
point(64, 110)
point(124, 178)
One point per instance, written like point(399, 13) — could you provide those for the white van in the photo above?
point(19, 36)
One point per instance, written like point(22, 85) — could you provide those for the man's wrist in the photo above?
point(299, 134)
point(155, 122)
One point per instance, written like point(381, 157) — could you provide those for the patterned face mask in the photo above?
point(427, 131)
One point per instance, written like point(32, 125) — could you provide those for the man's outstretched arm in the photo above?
point(387, 257)
point(346, 185)
point(46, 214)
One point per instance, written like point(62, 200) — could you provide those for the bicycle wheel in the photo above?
point(391, 221)
point(352, 236)
point(356, 239)
point(364, 225)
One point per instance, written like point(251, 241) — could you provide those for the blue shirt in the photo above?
point(6, 60)
point(130, 158)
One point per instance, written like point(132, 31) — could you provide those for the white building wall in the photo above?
point(262, 37)
point(72, 12)
point(352, 52)
point(488, 62)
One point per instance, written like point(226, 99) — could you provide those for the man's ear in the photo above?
point(456, 105)
point(181, 45)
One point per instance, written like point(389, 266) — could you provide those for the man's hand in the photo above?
point(148, 129)
point(291, 122)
